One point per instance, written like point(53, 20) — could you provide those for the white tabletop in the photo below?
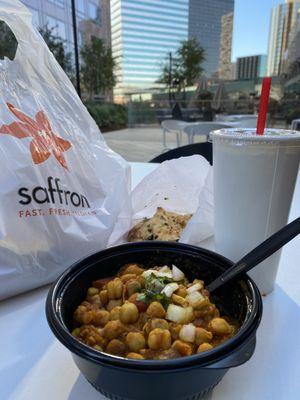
point(35, 366)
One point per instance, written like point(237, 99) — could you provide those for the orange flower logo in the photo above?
point(44, 143)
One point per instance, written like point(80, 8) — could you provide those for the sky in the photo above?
point(251, 26)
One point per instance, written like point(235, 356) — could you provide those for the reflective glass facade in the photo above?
point(251, 67)
point(93, 18)
point(284, 35)
point(143, 33)
point(205, 25)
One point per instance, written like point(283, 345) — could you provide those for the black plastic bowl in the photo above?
point(189, 377)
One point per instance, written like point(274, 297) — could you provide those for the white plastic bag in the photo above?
point(183, 186)
point(61, 187)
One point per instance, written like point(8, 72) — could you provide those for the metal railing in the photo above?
point(152, 112)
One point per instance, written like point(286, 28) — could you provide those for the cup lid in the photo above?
point(249, 134)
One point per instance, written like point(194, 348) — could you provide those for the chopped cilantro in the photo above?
point(152, 292)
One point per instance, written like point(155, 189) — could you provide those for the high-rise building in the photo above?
point(225, 66)
point(283, 45)
point(205, 21)
point(93, 18)
point(251, 67)
point(143, 34)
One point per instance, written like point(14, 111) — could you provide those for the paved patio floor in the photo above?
point(141, 144)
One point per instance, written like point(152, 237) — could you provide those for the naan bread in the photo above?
point(164, 225)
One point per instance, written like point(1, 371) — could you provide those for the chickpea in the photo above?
point(116, 347)
point(204, 347)
point(129, 313)
point(135, 356)
point(94, 300)
point(133, 286)
point(127, 277)
point(141, 280)
point(113, 303)
point(174, 330)
point(184, 349)
point(159, 323)
point(155, 323)
point(181, 291)
point(82, 315)
point(133, 269)
point(159, 339)
point(202, 336)
point(156, 310)
point(220, 327)
point(90, 335)
point(115, 313)
point(115, 289)
point(103, 296)
point(100, 317)
point(101, 283)
point(181, 301)
point(135, 341)
point(92, 291)
point(202, 305)
point(113, 329)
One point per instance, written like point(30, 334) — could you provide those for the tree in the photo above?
point(98, 66)
point(8, 42)
point(294, 68)
point(57, 46)
point(186, 66)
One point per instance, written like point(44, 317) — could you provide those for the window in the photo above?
point(59, 3)
point(80, 7)
point(80, 38)
point(59, 27)
point(35, 17)
point(94, 12)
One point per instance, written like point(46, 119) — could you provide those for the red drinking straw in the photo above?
point(263, 106)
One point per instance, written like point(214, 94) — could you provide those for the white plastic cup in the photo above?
point(254, 181)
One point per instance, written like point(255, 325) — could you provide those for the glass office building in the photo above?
point(205, 25)
point(284, 35)
point(251, 67)
point(93, 18)
point(143, 33)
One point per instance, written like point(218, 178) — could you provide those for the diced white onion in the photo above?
point(164, 269)
point(194, 298)
point(179, 314)
point(147, 273)
point(178, 275)
point(169, 289)
point(160, 274)
point(194, 288)
point(187, 333)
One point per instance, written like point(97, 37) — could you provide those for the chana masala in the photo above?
point(153, 314)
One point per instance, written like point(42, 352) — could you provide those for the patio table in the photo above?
point(34, 365)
